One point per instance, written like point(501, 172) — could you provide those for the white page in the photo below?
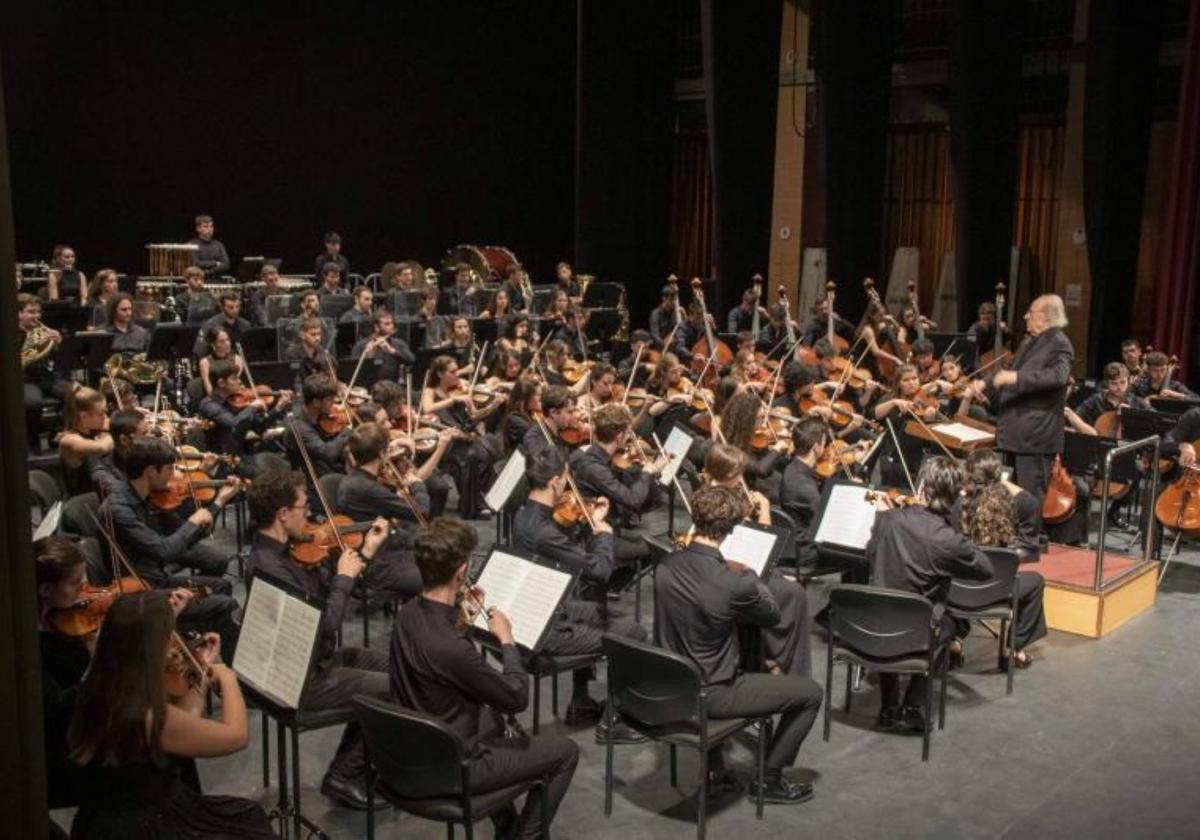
point(260, 627)
point(677, 446)
point(526, 592)
point(848, 518)
point(965, 433)
point(293, 651)
point(497, 496)
point(276, 642)
point(48, 527)
point(748, 546)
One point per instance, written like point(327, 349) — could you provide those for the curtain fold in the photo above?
point(691, 247)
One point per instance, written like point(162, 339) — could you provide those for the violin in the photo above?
point(843, 412)
point(573, 510)
point(246, 395)
point(184, 671)
point(635, 453)
point(1060, 500)
point(770, 430)
point(854, 378)
point(191, 459)
point(701, 398)
point(85, 616)
point(838, 455)
point(708, 354)
point(338, 419)
point(319, 539)
point(572, 371)
point(894, 498)
point(576, 435)
point(186, 485)
point(1178, 506)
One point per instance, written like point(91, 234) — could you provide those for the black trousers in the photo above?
point(796, 698)
point(216, 613)
point(1031, 613)
point(1032, 473)
point(509, 761)
point(353, 671)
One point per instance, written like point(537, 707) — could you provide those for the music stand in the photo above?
point(541, 298)
point(68, 317)
point(127, 283)
point(332, 306)
point(260, 344)
point(485, 329)
point(172, 342)
point(602, 325)
point(1137, 423)
point(282, 306)
point(346, 336)
point(279, 375)
point(602, 296)
point(956, 344)
point(93, 347)
point(1173, 406)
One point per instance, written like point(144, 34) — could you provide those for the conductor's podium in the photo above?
point(1080, 601)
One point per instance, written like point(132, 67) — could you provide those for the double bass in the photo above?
point(997, 351)
point(709, 354)
point(1060, 500)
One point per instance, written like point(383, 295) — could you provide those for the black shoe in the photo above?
point(722, 781)
point(1116, 520)
point(618, 734)
point(956, 658)
point(351, 793)
point(581, 712)
point(912, 718)
point(780, 790)
point(888, 718)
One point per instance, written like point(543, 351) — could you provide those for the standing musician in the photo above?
point(464, 296)
point(665, 316)
point(308, 350)
point(230, 424)
point(329, 280)
point(1030, 395)
point(699, 601)
point(211, 256)
point(64, 280)
point(278, 505)
point(1131, 355)
point(1155, 380)
point(437, 669)
point(229, 319)
point(916, 549)
point(470, 457)
point(741, 317)
point(128, 337)
point(558, 412)
point(390, 353)
point(163, 557)
point(195, 304)
point(332, 253)
point(269, 276)
point(581, 624)
point(800, 492)
point(318, 394)
point(818, 325)
point(218, 347)
point(363, 308)
point(85, 439)
point(37, 344)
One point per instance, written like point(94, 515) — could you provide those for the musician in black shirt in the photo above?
point(573, 332)
point(1157, 381)
point(437, 670)
point(308, 350)
point(195, 304)
point(800, 492)
point(269, 275)
point(228, 432)
point(386, 353)
point(229, 319)
point(363, 308)
point(741, 317)
point(211, 255)
point(128, 337)
point(665, 316)
point(325, 452)
point(464, 295)
point(818, 325)
point(332, 254)
point(40, 380)
point(558, 412)
point(279, 508)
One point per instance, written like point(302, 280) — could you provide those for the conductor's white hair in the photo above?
point(1054, 309)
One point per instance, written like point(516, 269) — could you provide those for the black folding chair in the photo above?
point(996, 598)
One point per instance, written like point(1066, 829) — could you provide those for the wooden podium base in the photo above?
point(1074, 607)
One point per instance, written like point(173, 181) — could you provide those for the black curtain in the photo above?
point(1122, 62)
point(623, 153)
point(853, 59)
point(985, 94)
point(741, 87)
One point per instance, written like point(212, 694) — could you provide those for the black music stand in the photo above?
point(1172, 406)
point(405, 302)
point(260, 344)
point(66, 317)
point(1138, 423)
point(281, 376)
point(345, 337)
point(92, 347)
point(127, 283)
point(1084, 455)
point(602, 296)
point(332, 306)
point(172, 342)
point(602, 324)
point(485, 329)
point(280, 307)
point(956, 344)
point(541, 298)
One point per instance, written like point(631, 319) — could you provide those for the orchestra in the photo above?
point(365, 435)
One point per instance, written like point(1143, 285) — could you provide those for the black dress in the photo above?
point(142, 801)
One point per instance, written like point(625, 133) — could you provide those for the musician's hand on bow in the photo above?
point(232, 486)
point(1004, 379)
point(350, 564)
point(209, 653)
point(463, 399)
point(178, 599)
point(201, 518)
point(376, 536)
point(856, 423)
point(285, 399)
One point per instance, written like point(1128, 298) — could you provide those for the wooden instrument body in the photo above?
point(1060, 499)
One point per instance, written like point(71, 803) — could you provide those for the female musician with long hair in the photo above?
point(514, 337)
point(84, 440)
point(875, 331)
point(220, 346)
point(124, 728)
point(520, 412)
point(739, 420)
point(501, 310)
point(64, 280)
point(101, 290)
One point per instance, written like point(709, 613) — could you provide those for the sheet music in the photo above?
point(276, 642)
point(526, 592)
point(677, 446)
point(48, 527)
point(848, 518)
point(965, 433)
point(748, 546)
point(502, 488)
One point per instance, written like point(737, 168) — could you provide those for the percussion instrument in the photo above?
point(489, 263)
point(170, 259)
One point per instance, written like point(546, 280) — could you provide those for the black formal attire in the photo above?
point(699, 603)
point(161, 550)
point(435, 669)
point(593, 472)
point(70, 281)
point(306, 365)
point(467, 462)
point(64, 662)
point(324, 452)
point(513, 429)
point(1187, 430)
point(195, 308)
point(230, 427)
point(985, 337)
point(741, 319)
point(465, 300)
point(1089, 410)
point(354, 315)
point(818, 328)
point(1029, 414)
point(258, 304)
point(40, 382)
point(1141, 387)
point(625, 368)
point(338, 673)
point(323, 259)
point(800, 496)
point(211, 256)
point(916, 550)
point(662, 321)
point(535, 441)
point(134, 339)
point(382, 364)
point(236, 329)
point(362, 498)
point(575, 339)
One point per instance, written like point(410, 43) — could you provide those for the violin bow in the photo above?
point(408, 400)
point(570, 478)
point(935, 438)
point(675, 477)
point(357, 369)
point(398, 477)
point(900, 454)
point(632, 373)
point(316, 484)
point(246, 369)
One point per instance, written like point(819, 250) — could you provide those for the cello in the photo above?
point(1178, 506)
point(1060, 500)
point(709, 354)
point(840, 345)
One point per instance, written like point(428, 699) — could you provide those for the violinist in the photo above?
point(915, 548)
point(558, 412)
point(739, 421)
point(362, 310)
point(515, 336)
point(1115, 395)
point(437, 669)
point(162, 550)
point(556, 355)
point(741, 317)
point(278, 504)
point(363, 493)
point(573, 332)
point(746, 371)
point(1156, 380)
point(580, 624)
point(309, 349)
point(818, 325)
point(800, 492)
point(984, 328)
point(468, 460)
point(665, 316)
point(229, 423)
point(928, 368)
point(800, 396)
point(125, 730)
point(84, 440)
point(847, 387)
point(1131, 356)
point(877, 333)
point(124, 426)
point(218, 347)
point(389, 353)
point(318, 395)
point(639, 340)
point(699, 601)
point(524, 404)
point(954, 391)
point(506, 371)
point(600, 379)
point(906, 400)
point(391, 398)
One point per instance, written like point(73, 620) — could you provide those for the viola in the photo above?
point(336, 421)
point(838, 455)
point(635, 453)
point(244, 397)
point(1060, 500)
point(184, 671)
point(186, 485)
point(319, 539)
point(571, 510)
point(575, 435)
point(843, 370)
point(843, 412)
point(1178, 506)
point(85, 616)
point(893, 497)
point(572, 371)
point(191, 459)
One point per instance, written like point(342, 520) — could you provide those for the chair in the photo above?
point(78, 515)
point(267, 461)
point(885, 630)
point(44, 490)
point(781, 517)
point(97, 572)
point(662, 695)
point(421, 767)
point(995, 597)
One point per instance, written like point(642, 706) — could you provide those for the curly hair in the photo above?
point(988, 517)
point(739, 418)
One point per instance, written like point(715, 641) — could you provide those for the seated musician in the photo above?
point(512, 287)
point(332, 253)
point(927, 367)
point(876, 331)
point(983, 330)
point(559, 412)
point(465, 298)
point(555, 313)
point(230, 424)
point(1180, 442)
point(515, 337)
point(554, 356)
point(104, 286)
point(699, 601)
point(84, 439)
point(64, 280)
point(195, 304)
point(524, 403)
point(459, 344)
point(916, 549)
point(800, 492)
point(863, 398)
point(309, 304)
point(363, 309)
point(573, 332)
point(329, 281)
point(163, 549)
point(818, 325)
point(278, 504)
point(389, 352)
point(601, 379)
point(639, 340)
point(218, 348)
point(692, 330)
point(125, 726)
point(995, 512)
point(269, 276)
point(391, 398)
point(469, 459)
point(37, 345)
point(406, 275)
point(318, 394)
point(500, 309)
point(956, 397)
point(1156, 381)
point(776, 330)
point(670, 384)
point(506, 371)
point(799, 381)
point(211, 256)
point(904, 401)
point(1116, 394)
point(124, 425)
point(437, 670)
point(437, 329)
point(745, 369)
point(741, 317)
point(739, 420)
point(581, 624)
point(565, 282)
point(665, 316)
point(229, 319)
point(128, 337)
point(308, 349)
point(1131, 356)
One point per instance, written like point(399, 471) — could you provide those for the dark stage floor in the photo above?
point(1099, 739)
